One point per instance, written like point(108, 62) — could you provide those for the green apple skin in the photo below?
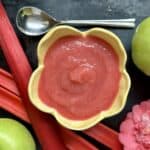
point(141, 46)
point(14, 136)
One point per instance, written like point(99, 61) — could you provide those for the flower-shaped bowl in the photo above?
point(118, 102)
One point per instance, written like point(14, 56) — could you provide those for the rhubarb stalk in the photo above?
point(43, 125)
point(105, 135)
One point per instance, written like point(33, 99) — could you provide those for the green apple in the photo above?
point(141, 46)
point(14, 136)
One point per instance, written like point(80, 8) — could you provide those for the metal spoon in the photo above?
point(33, 22)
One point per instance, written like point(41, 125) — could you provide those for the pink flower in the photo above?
point(135, 129)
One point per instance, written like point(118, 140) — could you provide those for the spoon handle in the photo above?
point(122, 23)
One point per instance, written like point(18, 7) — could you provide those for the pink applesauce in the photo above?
point(80, 77)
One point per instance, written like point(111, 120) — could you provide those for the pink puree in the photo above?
point(81, 76)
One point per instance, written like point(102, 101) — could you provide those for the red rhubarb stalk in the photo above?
point(7, 81)
point(100, 132)
point(43, 125)
point(13, 104)
point(75, 142)
point(105, 135)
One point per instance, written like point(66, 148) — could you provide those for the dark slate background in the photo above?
point(89, 9)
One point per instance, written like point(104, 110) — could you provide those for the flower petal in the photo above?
point(137, 113)
point(145, 105)
point(128, 140)
point(129, 115)
point(127, 148)
point(127, 126)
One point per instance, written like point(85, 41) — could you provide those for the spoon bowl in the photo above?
point(33, 21)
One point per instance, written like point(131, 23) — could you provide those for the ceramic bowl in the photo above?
point(124, 83)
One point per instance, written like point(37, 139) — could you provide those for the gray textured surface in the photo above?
point(92, 9)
